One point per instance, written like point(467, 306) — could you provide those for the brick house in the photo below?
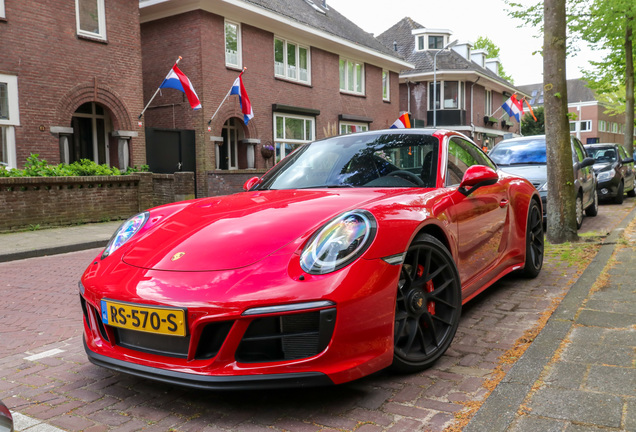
point(468, 92)
point(70, 82)
point(311, 73)
point(591, 123)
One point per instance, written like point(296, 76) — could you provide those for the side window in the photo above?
point(232, 44)
point(578, 154)
point(90, 19)
point(461, 155)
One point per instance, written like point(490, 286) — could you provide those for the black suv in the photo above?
point(614, 170)
point(526, 157)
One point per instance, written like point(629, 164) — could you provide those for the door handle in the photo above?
point(179, 166)
point(503, 203)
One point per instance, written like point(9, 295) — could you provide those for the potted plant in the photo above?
point(267, 151)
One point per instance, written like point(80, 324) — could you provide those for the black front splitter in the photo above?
point(206, 382)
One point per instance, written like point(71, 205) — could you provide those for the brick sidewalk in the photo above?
point(63, 389)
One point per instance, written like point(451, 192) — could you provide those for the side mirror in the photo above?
point(251, 183)
point(588, 161)
point(477, 176)
point(628, 160)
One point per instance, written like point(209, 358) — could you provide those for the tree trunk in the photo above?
point(561, 205)
point(629, 86)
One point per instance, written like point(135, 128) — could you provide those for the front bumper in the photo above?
point(608, 189)
point(203, 382)
point(226, 347)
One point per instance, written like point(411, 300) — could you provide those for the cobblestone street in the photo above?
point(46, 378)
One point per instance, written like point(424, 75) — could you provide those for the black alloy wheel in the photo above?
point(534, 242)
point(428, 305)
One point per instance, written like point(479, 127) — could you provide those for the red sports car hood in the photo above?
point(234, 231)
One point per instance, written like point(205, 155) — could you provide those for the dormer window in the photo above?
point(435, 42)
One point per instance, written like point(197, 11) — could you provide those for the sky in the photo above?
point(467, 19)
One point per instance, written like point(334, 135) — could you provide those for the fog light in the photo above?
point(604, 191)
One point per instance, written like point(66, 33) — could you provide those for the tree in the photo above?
point(492, 51)
point(531, 127)
point(561, 202)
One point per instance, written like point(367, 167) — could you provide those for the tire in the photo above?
point(618, 199)
point(428, 305)
point(632, 193)
point(592, 209)
point(579, 211)
point(534, 242)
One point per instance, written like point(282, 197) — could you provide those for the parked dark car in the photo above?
point(614, 170)
point(6, 421)
point(526, 157)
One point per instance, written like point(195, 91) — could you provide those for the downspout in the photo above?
point(472, 114)
point(408, 97)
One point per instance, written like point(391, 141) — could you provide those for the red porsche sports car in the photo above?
point(353, 254)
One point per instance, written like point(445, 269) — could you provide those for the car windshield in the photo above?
point(519, 152)
point(602, 154)
point(358, 160)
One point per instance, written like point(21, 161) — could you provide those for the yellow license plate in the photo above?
point(162, 320)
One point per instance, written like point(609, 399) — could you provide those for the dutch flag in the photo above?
point(179, 81)
point(244, 100)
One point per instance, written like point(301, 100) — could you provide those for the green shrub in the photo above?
point(35, 167)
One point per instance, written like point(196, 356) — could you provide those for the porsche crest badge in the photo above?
point(177, 256)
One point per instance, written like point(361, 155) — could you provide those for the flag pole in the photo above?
point(224, 99)
point(153, 96)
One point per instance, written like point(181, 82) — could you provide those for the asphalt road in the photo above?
point(46, 379)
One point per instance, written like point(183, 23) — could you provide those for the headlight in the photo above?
point(543, 187)
point(605, 175)
point(339, 242)
point(125, 232)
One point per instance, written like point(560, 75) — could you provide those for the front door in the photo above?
point(91, 125)
point(228, 152)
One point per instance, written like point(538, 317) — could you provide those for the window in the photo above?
point(488, 100)
point(9, 118)
point(232, 45)
point(351, 76)
point(420, 43)
point(290, 132)
point(435, 42)
point(386, 85)
point(581, 126)
point(461, 155)
point(90, 18)
point(291, 61)
point(2, 15)
point(614, 127)
point(602, 126)
point(448, 91)
point(351, 127)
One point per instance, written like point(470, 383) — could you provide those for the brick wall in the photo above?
point(229, 182)
point(57, 201)
point(58, 71)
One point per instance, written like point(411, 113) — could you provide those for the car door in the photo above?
point(627, 168)
point(480, 216)
point(584, 176)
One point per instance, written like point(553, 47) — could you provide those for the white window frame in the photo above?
point(101, 21)
point(280, 142)
point(347, 127)
point(444, 42)
point(440, 95)
point(386, 85)
point(488, 102)
point(239, 51)
point(2, 15)
point(13, 119)
point(602, 126)
point(344, 87)
point(285, 72)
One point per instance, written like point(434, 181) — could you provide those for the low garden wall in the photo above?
point(224, 182)
point(29, 202)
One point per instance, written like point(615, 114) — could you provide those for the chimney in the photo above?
point(493, 65)
point(463, 49)
point(479, 57)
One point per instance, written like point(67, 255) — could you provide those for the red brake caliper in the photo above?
point(429, 289)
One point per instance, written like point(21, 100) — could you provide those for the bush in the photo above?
point(34, 167)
